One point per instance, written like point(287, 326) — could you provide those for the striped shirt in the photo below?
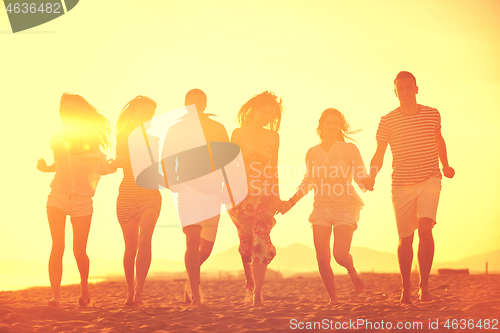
point(413, 145)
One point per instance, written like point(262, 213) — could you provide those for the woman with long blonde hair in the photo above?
point(78, 165)
point(331, 167)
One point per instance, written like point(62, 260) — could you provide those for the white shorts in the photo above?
point(71, 204)
point(328, 216)
point(202, 209)
point(414, 202)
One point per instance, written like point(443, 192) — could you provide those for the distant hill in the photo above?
point(476, 264)
point(300, 258)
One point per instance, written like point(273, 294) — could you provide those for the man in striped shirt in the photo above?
point(414, 133)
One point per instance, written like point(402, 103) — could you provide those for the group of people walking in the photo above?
point(412, 130)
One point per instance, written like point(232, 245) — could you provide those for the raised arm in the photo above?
point(443, 155)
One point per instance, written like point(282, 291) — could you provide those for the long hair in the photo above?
point(247, 111)
point(135, 112)
point(345, 130)
point(80, 118)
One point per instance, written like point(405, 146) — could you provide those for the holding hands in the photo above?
point(367, 183)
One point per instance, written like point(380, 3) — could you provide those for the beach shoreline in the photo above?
point(290, 304)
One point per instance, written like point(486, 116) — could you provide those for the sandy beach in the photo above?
point(293, 304)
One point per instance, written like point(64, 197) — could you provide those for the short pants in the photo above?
point(71, 204)
point(328, 216)
point(202, 209)
point(413, 202)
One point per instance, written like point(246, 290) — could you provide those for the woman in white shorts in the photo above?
point(331, 167)
point(78, 166)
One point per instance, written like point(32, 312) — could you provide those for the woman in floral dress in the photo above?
point(258, 138)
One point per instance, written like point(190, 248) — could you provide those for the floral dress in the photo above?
point(254, 216)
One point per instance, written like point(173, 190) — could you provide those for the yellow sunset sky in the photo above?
point(313, 54)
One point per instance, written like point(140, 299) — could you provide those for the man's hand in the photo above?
point(448, 172)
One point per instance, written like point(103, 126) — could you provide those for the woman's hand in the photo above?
point(42, 165)
point(113, 166)
point(366, 184)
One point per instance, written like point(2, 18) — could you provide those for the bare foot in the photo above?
point(130, 303)
point(406, 296)
point(138, 299)
point(202, 294)
point(333, 302)
point(195, 303)
point(359, 286)
point(248, 297)
point(250, 285)
point(257, 300)
point(138, 296)
point(424, 295)
point(86, 304)
point(187, 293)
point(247, 268)
point(85, 295)
point(53, 302)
